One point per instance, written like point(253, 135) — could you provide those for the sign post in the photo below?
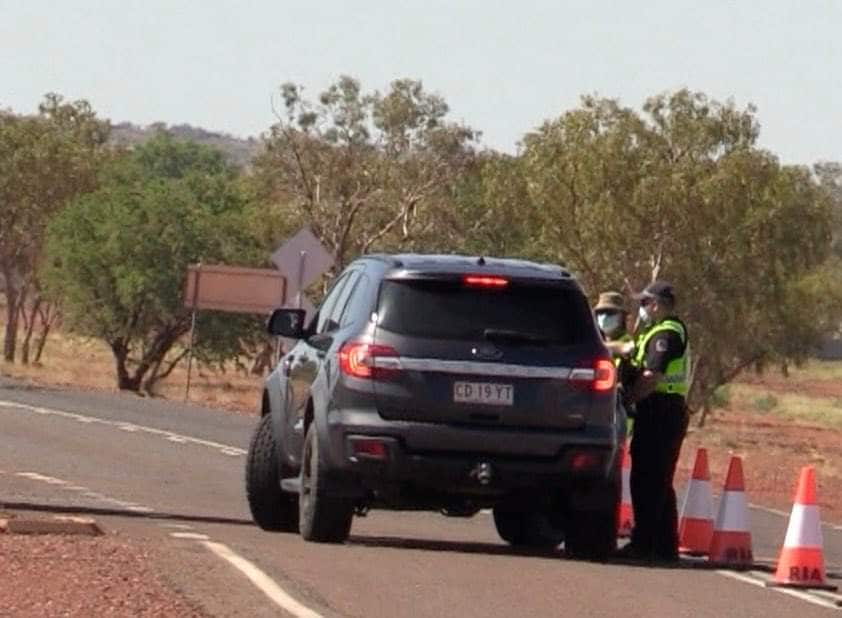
point(302, 262)
point(197, 278)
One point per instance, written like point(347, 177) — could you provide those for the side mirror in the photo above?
point(287, 323)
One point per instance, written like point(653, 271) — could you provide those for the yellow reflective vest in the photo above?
point(675, 378)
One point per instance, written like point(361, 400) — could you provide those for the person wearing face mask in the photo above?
point(661, 359)
point(611, 318)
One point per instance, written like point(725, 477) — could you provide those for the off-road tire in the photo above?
point(525, 528)
point(323, 518)
point(271, 508)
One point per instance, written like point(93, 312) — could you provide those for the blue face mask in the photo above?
point(643, 314)
point(609, 322)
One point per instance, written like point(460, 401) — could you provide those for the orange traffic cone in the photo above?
point(626, 513)
point(695, 528)
point(731, 543)
point(801, 562)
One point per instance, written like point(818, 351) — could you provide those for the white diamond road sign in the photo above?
point(302, 259)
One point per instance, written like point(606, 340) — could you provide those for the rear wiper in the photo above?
point(499, 334)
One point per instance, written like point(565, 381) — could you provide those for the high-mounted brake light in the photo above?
point(368, 361)
point(482, 281)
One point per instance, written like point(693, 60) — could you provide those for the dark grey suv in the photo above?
point(443, 383)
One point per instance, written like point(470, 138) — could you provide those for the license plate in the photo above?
point(484, 393)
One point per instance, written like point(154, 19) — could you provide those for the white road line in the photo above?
point(193, 536)
point(34, 476)
point(177, 526)
point(263, 582)
point(798, 594)
point(769, 510)
point(227, 449)
point(137, 508)
point(129, 506)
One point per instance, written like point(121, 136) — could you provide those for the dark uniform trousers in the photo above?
point(659, 428)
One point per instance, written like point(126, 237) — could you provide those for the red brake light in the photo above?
point(599, 376)
point(368, 361)
point(482, 281)
point(605, 375)
point(581, 461)
point(369, 448)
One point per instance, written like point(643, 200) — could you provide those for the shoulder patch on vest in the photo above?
point(661, 345)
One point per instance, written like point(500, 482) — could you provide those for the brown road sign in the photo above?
point(234, 289)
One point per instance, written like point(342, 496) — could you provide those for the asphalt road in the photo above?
point(173, 474)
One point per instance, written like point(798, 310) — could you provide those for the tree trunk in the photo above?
point(11, 335)
point(704, 415)
point(263, 359)
point(157, 375)
point(49, 315)
point(125, 382)
point(41, 342)
point(29, 324)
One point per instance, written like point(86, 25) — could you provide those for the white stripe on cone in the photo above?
point(804, 529)
point(698, 501)
point(626, 486)
point(733, 512)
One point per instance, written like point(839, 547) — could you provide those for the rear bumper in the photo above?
point(480, 462)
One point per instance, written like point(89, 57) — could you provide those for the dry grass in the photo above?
point(777, 425)
point(80, 362)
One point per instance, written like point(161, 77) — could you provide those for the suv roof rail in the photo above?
point(383, 257)
point(402, 260)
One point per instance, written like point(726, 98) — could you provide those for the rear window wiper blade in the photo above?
point(500, 334)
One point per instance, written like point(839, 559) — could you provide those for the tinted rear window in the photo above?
point(445, 310)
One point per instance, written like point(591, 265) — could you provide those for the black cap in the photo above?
point(658, 290)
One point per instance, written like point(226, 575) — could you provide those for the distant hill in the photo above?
point(239, 151)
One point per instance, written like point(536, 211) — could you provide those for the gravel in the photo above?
point(52, 575)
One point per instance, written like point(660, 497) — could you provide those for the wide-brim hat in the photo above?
point(611, 301)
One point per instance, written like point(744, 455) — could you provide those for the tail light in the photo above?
point(368, 361)
point(369, 448)
point(483, 281)
point(599, 377)
point(605, 377)
point(584, 461)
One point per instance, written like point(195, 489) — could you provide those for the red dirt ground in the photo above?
point(773, 452)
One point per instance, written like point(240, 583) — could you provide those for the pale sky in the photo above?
point(503, 67)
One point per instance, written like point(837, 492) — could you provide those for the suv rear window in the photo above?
point(449, 310)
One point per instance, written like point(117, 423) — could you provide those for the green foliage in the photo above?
point(682, 192)
point(45, 161)
point(766, 403)
point(118, 256)
point(678, 190)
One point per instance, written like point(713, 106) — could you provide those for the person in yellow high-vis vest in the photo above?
point(661, 360)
